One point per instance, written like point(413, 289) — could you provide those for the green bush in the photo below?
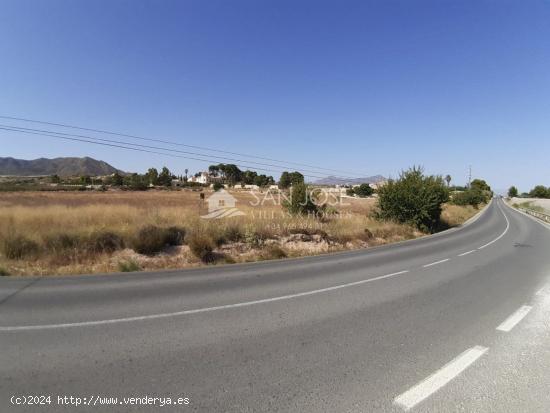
point(216, 186)
point(105, 241)
point(202, 246)
point(413, 199)
point(540, 191)
point(301, 201)
point(129, 266)
point(473, 197)
point(16, 247)
point(363, 191)
point(3, 272)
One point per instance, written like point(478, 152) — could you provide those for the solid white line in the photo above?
point(198, 310)
point(501, 235)
point(466, 253)
point(440, 378)
point(435, 263)
point(515, 318)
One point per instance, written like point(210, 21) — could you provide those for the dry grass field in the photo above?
point(45, 233)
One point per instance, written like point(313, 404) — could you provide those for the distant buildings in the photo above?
point(204, 178)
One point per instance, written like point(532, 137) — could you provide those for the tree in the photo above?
point(363, 191)
point(414, 199)
point(296, 178)
point(263, 180)
point(55, 179)
point(540, 191)
point(512, 192)
point(480, 184)
point(117, 179)
point(186, 171)
point(285, 181)
point(165, 177)
point(290, 178)
point(248, 177)
point(301, 201)
point(85, 180)
point(136, 182)
point(216, 186)
point(153, 176)
point(448, 180)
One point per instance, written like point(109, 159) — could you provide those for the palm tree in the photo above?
point(448, 179)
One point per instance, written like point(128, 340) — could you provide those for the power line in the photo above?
point(174, 143)
point(145, 150)
point(281, 167)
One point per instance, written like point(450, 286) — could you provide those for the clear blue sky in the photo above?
point(368, 86)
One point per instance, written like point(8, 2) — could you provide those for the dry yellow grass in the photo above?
point(454, 215)
point(41, 217)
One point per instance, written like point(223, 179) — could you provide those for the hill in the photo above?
point(57, 166)
point(334, 180)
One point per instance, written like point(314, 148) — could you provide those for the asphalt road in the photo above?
point(459, 321)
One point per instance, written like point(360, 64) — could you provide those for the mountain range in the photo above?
point(56, 166)
point(335, 180)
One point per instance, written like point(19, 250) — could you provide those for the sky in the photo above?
point(365, 87)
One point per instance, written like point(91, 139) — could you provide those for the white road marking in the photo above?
point(501, 235)
point(466, 253)
point(440, 378)
point(198, 310)
point(435, 263)
point(515, 318)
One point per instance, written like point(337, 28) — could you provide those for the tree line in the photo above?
point(539, 191)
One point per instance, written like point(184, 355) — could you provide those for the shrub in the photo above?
point(301, 201)
point(61, 242)
point(202, 246)
point(129, 266)
point(216, 186)
point(3, 272)
point(175, 235)
point(413, 199)
point(150, 240)
point(233, 233)
point(105, 241)
point(363, 191)
point(16, 247)
point(473, 197)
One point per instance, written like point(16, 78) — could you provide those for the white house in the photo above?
point(205, 178)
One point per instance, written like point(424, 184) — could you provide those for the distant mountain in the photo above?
point(334, 180)
point(57, 166)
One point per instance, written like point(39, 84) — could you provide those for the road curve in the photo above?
point(455, 319)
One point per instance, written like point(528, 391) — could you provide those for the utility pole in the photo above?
point(469, 175)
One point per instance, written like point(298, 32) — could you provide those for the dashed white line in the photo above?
point(515, 318)
point(466, 253)
point(198, 310)
point(435, 263)
point(501, 235)
point(440, 378)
